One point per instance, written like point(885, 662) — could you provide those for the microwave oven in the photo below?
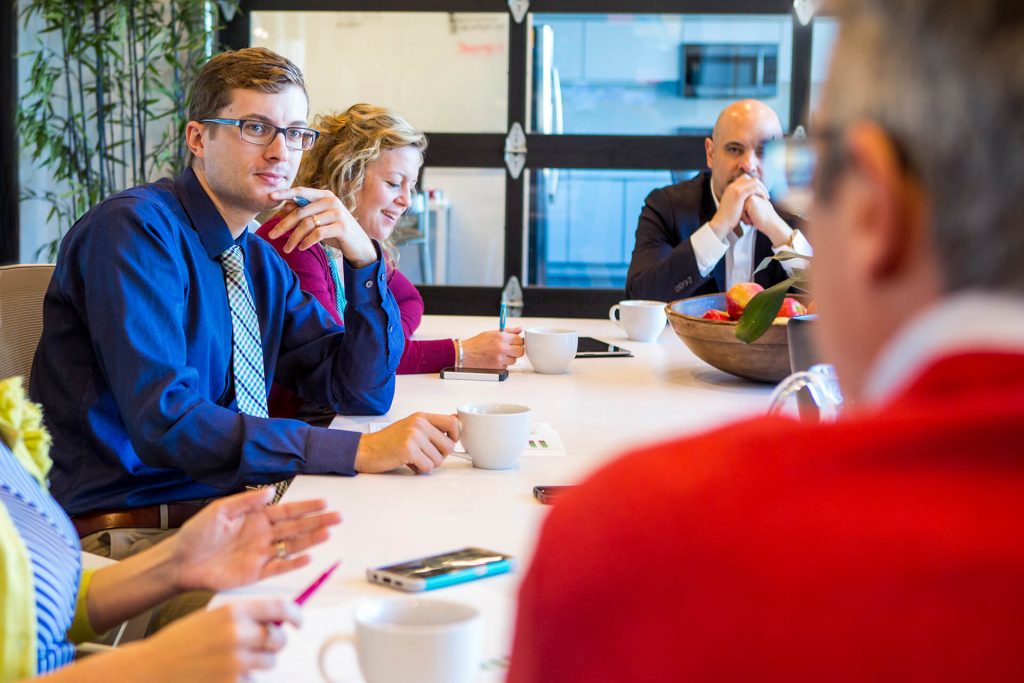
point(732, 71)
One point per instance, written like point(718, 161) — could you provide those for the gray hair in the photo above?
point(945, 79)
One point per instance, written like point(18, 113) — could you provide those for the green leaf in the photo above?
point(761, 311)
point(781, 256)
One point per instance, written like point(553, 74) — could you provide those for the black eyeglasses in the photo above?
point(263, 133)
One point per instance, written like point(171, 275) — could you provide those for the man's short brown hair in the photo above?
point(252, 68)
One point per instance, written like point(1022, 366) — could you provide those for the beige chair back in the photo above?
point(22, 288)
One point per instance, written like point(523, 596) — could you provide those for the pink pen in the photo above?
point(313, 587)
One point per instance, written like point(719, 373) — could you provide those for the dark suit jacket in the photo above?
point(663, 266)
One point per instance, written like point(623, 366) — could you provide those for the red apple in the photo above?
point(716, 314)
point(791, 307)
point(738, 296)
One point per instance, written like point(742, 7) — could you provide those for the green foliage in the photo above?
point(761, 311)
point(106, 98)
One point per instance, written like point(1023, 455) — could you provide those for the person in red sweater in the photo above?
point(370, 157)
point(886, 546)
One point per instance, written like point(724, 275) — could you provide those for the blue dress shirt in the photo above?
point(134, 365)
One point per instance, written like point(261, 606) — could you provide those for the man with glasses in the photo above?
point(166, 322)
point(703, 235)
point(885, 546)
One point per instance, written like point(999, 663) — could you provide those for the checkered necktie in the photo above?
point(247, 349)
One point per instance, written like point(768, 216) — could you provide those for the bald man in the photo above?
point(702, 236)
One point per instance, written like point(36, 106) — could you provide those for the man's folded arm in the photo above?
point(135, 313)
point(351, 372)
point(657, 269)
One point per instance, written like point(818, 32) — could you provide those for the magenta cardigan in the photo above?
point(315, 278)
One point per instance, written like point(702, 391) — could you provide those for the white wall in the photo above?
point(442, 71)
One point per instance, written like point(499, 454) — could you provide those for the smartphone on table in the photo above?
point(548, 494)
point(445, 569)
point(478, 374)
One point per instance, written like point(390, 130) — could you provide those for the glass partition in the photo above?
point(443, 71)
point(644, 74)
point(460, 240)
point(582, 223)
point(823, 37)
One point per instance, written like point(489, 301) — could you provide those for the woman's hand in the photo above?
point(240, 539)
point(493, 349)
point(324, 219)
point(221, 645)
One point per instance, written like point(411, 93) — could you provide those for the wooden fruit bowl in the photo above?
point(715, 342)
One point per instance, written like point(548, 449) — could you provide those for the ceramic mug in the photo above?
point(398, 640)
point(550, 350)
point(642, 320)
point(494, 434)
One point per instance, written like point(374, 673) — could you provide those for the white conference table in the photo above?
point(601, 408)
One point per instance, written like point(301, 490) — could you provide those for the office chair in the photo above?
point(22, 288)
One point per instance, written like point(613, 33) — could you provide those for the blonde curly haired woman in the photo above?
point(370, 158)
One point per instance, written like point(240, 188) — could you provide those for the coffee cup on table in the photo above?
point(550, 350)
point(494, 434)
point(398, 640)
point(643, 320)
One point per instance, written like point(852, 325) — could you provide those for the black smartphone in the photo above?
point(588, 347)
point(547, 494)
point(478, 374)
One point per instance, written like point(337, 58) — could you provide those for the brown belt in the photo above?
point(175, 515)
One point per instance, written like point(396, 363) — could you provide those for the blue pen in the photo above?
point(501, 316)
point(300, 201)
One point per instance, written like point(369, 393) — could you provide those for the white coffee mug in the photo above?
point(642, 320)
point(494, 434)
point(550, 350)
point(400, 640)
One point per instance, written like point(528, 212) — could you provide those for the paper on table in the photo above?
point(544, 440)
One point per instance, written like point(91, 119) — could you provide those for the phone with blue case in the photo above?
point(445, 569)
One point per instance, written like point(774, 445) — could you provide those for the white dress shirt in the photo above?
point(738, 251)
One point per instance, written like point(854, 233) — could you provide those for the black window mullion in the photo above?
point(380, 5)
point(9, 209)
point(237, 33)
point(466, 150)
point(485, 150)
point(538, 302)
point(800, 78)
point(515, 187)
point(615, 151)
point(567, 6)
point(663, 6)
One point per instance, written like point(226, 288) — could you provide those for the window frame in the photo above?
point(486, 150)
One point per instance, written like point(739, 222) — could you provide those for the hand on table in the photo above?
point(493, 349)
point(240, 539)
point(325, 219)
point(220, 645)
point(421, 441)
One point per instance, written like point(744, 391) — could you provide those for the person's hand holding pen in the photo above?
point(494, 349)
point(319, 216)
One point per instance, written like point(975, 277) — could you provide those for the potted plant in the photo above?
point(106, 97)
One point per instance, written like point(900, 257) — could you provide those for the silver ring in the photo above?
point(281, 549)
point(316, 221)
